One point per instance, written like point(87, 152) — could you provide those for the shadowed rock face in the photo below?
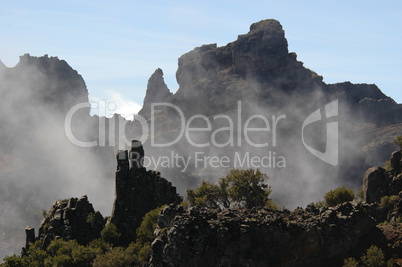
point(138, 191)
point(258, 69)
point(311, 237)
point(378, 182)
point(45, 80)
point(71, 219)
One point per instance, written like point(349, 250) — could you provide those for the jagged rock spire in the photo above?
point(138, 191)
point(157, 91)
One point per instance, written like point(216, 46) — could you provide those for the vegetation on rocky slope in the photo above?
point(99, 252)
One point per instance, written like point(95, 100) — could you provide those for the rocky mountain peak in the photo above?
point(157, 91)
point(267, 37)
point(45, 81)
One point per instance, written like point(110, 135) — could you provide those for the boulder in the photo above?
point(375, 184)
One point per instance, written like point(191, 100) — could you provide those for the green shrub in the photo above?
point(387, 165)
point(209, 195)
point(398, 141)
point(248, 188)
point(145, 232)
point(350, 262)
point(240, 188)
point(338, 196)
point(99, 252)
point(59, 261)
point(110, 234)
point(117, 257)
point(99, 246)
point(83, 255)
point(388, 202)
point(374, 257)
point(14, 261)
point(141, 249)
point(36, 254)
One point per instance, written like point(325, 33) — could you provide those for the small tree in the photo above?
point(247, 188)
point(209, 195)
point(110, 234)
point(374, 257)
point(398, 141)
point(241, 188)
point(338, 196)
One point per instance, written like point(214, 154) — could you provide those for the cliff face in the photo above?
point(257, 67)
point(257, 71)
point(138, 191)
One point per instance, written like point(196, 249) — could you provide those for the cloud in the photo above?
point(113, 103)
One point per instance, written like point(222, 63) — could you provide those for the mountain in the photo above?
point(38, 163)
point(251, 100)
point(255, 82)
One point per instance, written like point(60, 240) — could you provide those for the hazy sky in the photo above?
point(117, 46)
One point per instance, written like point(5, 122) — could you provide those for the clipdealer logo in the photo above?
point(238, 130)
point(330, 155)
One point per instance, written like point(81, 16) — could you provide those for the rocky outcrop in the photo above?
point(138, 191)
point(257, 66)
point(258, 70)
point(378, 182)
point(37, 155)
point(45, 80)
point(311, 237)
point(68, 219)
point(157, 92)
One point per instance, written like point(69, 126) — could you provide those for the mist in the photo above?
point(40, 165)
point(251, 83)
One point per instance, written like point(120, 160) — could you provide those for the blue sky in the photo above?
point(117, 46)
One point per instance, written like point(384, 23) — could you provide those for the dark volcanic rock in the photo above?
point(138, 191)
point(378, 182)
point(73, 218)
point(157, 92)
point(45, 80)
point(375, 184)
point(247, 68)
point(258, 70)
point(197, 237)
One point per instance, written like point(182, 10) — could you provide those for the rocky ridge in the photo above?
point(310, 237)
point(138, 191)
point(191, 236)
